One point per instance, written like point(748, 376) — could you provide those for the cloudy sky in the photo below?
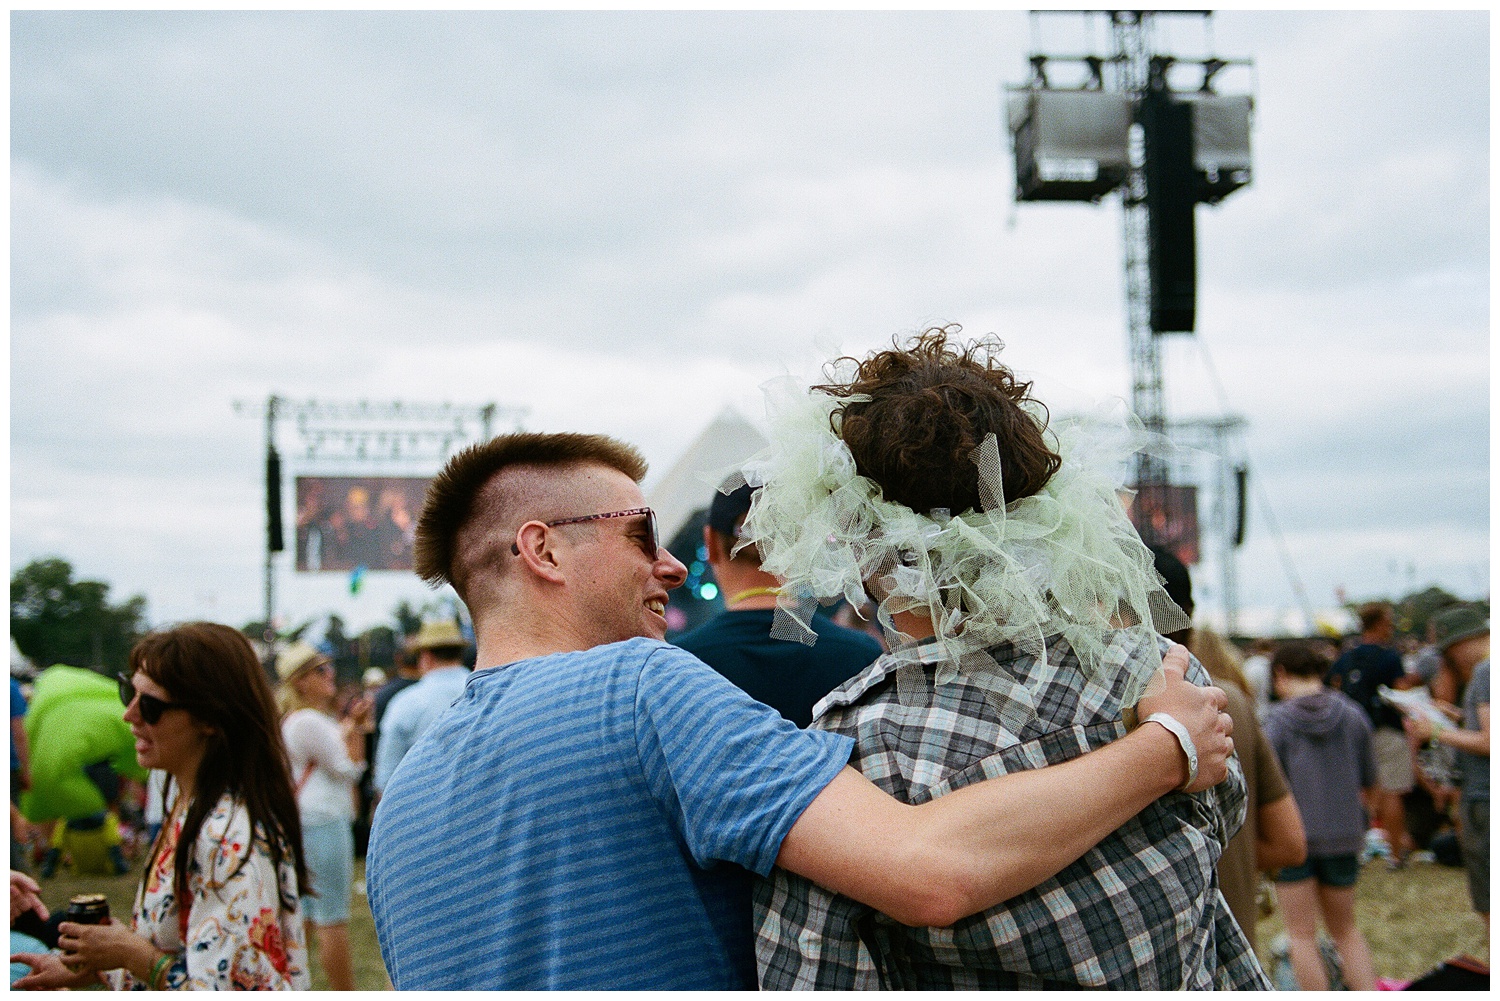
point(624, 222)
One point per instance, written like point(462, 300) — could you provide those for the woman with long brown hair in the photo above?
point(218, 905)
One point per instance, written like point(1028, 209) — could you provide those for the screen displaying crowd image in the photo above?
point(1167, 516)
point(344, 522)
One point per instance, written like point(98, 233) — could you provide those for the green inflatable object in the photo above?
point(74, 720)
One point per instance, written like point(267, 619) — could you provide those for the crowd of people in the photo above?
point(1023, 767)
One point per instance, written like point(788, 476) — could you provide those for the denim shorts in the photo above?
point(328, 854)
point(1330, 870)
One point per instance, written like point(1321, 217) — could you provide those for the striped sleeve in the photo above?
point(732, 775)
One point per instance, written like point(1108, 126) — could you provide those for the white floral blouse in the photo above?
point(237, 932)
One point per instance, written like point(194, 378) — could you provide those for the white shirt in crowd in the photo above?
point(315, 739)
point(1258, 672)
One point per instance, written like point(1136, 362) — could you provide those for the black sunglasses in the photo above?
point(651, 545)
point(151, 706)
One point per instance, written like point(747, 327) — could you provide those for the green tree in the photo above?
point(408, 619)
point(341, 650)
point(57, 620)
point(377, 648)
point(256, 630)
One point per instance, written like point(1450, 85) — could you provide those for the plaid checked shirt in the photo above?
point(1140, 911)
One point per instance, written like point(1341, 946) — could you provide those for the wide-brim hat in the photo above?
point(1460, 622)
point(294, 658)
point(434, 635)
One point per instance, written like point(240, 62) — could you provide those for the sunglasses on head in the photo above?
point(650, 545)
point(151, 706)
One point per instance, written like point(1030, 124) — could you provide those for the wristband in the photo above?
point(158, 972)
point(1184, 738)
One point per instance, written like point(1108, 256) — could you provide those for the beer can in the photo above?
point(88, 909)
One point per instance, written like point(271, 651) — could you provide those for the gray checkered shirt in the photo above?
point(1139, 911)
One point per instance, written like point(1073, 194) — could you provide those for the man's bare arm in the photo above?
point(981, 845)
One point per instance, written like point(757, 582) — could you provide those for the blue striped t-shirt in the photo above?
point(578, 821)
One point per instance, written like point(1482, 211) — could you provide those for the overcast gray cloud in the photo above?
point(626, 221)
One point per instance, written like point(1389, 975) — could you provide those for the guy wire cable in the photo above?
point(1262, 499)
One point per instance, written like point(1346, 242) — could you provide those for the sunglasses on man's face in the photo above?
point(151, 706)
point(650, 543)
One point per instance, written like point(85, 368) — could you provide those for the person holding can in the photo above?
point(218, 906)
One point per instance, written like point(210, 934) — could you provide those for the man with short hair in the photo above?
point(788, 677)
point(1463, 638)
point(406, 676)
point(1023, 616)
point(578, 819)
point(439, 649)
point(1359, 673)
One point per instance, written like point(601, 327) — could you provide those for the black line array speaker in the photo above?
point(1241, 502)
point(1171, 192)
point(274, 542)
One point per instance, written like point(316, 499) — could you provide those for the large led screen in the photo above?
point(344, 522)
point(1167, 516)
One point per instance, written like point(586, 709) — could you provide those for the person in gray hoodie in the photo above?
point(1323, 740)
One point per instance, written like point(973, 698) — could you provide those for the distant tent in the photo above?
point(685, 488)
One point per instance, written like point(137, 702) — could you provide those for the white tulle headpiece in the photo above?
point(1065, 561)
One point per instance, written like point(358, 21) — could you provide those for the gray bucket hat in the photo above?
point(1458, 623)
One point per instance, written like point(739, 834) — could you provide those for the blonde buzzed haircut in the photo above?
point(452, 497)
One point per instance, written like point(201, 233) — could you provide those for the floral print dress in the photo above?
point(236, 933)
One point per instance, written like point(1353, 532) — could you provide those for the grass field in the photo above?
point(1414, 919)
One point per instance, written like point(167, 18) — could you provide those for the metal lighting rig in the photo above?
point(361, 434)
point(1155, 128)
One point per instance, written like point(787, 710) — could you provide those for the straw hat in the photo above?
point(436, 634)
point(294, 658)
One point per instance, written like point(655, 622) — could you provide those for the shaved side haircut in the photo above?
point(471, 498)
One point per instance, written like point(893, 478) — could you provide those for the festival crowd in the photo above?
point(954, 728)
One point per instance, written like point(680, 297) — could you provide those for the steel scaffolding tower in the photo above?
point(1132, 73)
point(1121, 125)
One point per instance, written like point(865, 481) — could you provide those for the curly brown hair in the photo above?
point(931, 403)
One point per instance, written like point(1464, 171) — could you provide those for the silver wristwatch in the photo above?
point(1184, 738)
